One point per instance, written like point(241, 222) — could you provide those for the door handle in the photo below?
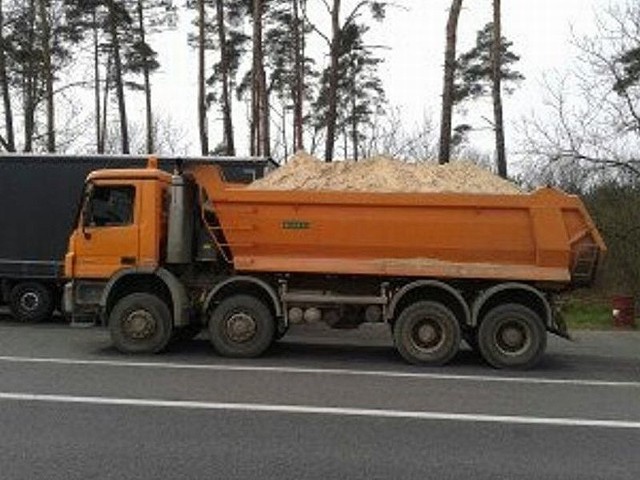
point(127, 260)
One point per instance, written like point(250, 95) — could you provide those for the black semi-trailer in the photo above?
point(39, 197)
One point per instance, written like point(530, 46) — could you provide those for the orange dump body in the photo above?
point(546, 236)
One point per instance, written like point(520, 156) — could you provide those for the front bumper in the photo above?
point(81, 301)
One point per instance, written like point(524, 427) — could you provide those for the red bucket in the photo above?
point(624, 311)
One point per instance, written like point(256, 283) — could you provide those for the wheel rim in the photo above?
point(29, 301)
point(427, 335)
point(512, 338)
point(241, 327)
point(139, 324)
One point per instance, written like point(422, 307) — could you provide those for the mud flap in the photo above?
point(559, 325)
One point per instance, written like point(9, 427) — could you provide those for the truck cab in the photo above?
point(119, 244)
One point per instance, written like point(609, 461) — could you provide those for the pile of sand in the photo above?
point(380, 174)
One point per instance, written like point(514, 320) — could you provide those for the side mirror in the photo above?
point(86, 210)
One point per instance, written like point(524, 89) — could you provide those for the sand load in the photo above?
point(382, 174)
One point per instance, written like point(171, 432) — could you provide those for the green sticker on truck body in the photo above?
point(295, 225)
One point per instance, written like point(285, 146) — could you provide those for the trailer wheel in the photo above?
point(427, 333)
point(31, 302)
point(140, 323)
point(241, 326)
point(512, 336)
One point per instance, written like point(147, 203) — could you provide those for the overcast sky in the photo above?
point(541, 31)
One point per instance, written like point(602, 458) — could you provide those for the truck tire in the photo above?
point(31, 302)
point(241, 326)
point(140, 323)
point(427, 333)
point(512, 336)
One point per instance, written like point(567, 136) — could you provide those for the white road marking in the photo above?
point(322, 371)
point(313, 410)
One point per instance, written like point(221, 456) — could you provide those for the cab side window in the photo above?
point(110, 206)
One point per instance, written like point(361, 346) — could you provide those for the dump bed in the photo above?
point(546, 236)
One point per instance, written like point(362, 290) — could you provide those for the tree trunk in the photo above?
point(227, 119)
point(30, 82)
point(147, 82)
point(48, 75)
point(96, 80)
point(260, 99)
point(298, 93)
point(447, 89)
point(496, 53)
point(354, 118)
point(9, 141)
point(202, 106)
point(105, 105)
point(255, 88)
point(333, 81)
point(285, 148)
point(117, 63)
point(265, 114)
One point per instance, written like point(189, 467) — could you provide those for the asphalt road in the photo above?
point(321, 404)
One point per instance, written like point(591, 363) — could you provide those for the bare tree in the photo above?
point(448, 83)
point(591, 119)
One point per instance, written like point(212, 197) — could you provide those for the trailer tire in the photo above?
point(241, 326)
point(427, 333)
point(512, 336)
point(31, 302)
point(140, 323)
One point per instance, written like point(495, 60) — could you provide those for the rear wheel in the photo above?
point(31, 302)
point(140, 323)
point(427, 333)
point(512, 336)
point(241, 326)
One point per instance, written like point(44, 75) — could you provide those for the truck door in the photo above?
point(109, 237)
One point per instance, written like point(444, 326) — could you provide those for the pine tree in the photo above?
point(141, 58)
point(289, 68)
point(475, 78)
point(358, 94)
point(332, 73)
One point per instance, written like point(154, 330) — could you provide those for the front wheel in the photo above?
point(512, 336)
point(140, 323)
point(241, 326)
point(427, 333)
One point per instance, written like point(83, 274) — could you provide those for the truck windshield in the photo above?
point(110, 206)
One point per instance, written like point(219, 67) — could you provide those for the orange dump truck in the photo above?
point(157, 256)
